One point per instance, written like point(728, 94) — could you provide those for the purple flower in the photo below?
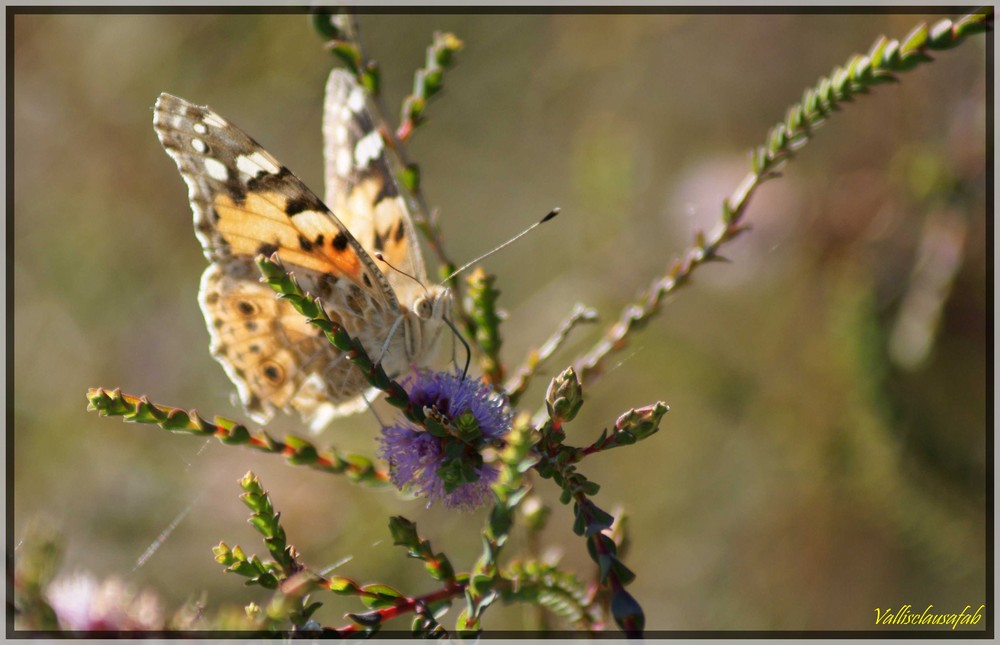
point(444, 461)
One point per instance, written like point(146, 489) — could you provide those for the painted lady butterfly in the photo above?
point(245, 203)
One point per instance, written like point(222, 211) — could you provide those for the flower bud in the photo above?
point(565, 396)
point(640, 423)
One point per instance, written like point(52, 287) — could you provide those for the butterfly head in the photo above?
point(434, 304)
point(426, 317)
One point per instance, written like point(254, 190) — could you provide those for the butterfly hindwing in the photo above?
point(272, 354)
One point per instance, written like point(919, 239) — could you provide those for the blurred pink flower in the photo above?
point(81, 603)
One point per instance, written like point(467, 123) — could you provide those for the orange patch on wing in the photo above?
point(396, 250)
point(347, 261)
point(261, 220)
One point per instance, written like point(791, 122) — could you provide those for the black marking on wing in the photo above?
point(268, 182)
point(388, 189)
point(339, 243)
point(305, 203)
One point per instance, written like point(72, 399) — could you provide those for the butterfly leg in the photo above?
point(371, 409)
point(468, 350)
point(388, 339)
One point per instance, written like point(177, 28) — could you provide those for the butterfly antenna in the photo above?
point(381, 258)
point(552, 213)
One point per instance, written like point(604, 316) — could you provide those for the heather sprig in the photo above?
point(294, 585)
point(633, 426)
point(404, 533)
point(486, 324)
point(558, 591)
point(427, 81)
point(282, 572)
point(861, 73)
point(517, 458)
point(296, 450)
point(557, 462)
point(335, 27)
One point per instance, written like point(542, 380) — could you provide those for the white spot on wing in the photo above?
point(368, 149)
point(356, 101)
point(211, 118)
point(343, 162)
point(266, 161)
point(254, 164)
point(216, 169)
point(246, 166)
point(200, 128)
point(199, 145)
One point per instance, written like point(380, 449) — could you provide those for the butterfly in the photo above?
point(245, 203)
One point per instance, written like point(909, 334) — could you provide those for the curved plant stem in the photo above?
point(862, 72)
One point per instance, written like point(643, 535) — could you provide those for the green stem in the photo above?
point(297, 451)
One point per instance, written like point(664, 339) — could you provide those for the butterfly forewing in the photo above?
point(361, 187)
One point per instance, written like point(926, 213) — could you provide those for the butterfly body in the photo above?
point(246, 203)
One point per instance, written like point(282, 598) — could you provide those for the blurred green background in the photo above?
point(825, 453)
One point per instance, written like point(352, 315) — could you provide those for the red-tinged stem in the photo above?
point(412, 603)
point(407, 605)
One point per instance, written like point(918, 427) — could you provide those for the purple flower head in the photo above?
point(445, 461)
